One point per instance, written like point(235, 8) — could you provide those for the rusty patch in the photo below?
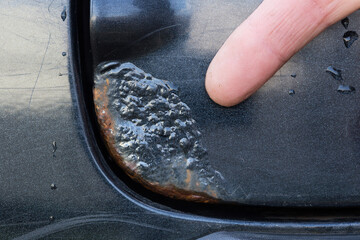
point(150, 134)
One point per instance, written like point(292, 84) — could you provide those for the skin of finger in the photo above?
point(265, 41)
point(229, 82)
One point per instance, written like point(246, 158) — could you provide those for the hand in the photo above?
point(265, 41)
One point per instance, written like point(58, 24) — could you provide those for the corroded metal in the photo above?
point(151, 135)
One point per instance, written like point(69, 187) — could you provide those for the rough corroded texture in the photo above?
point(150, 133)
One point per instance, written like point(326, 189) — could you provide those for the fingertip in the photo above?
point(216, 94)
point(218, 90)
point(264, 42)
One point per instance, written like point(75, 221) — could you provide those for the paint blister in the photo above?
point(151, 134)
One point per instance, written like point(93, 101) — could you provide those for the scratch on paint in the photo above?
point(41, 66)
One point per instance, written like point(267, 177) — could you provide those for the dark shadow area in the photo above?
point(134, 27)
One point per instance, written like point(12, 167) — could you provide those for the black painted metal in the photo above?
point(276, 148)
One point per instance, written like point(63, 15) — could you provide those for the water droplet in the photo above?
point(291, 92)
point(51, 218)
point(335, 73)
point(345, 22)
point(293, 75)
point(54, 146)
point(64, 54)
point(63, 14)
point(53, 186)
point(345, 89)
point(349, 38)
